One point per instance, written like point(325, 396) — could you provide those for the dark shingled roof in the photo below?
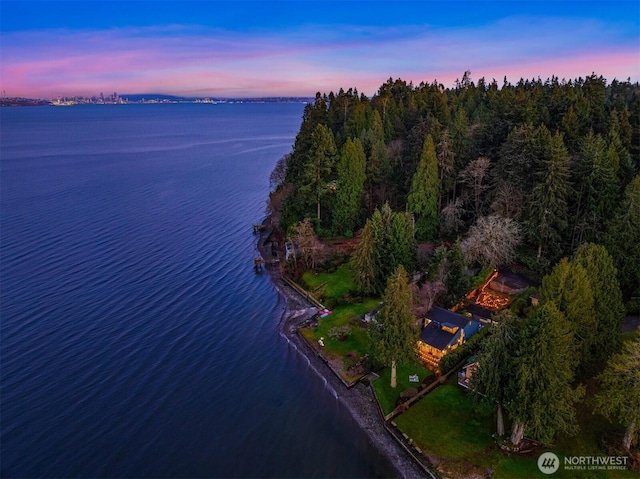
point(442, 316)
point(480, 311)
point(434, 336)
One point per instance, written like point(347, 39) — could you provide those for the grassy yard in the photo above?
point(448, 424)
point(355, 345)
point(387, 396)
point(330, 285)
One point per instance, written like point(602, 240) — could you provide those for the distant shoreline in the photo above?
point(359, 399)
point(151, 99)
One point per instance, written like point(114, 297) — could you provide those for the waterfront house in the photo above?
point(443, 332)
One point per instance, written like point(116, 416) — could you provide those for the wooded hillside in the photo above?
point(558, 159)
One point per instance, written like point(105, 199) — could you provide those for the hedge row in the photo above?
point(449, 361)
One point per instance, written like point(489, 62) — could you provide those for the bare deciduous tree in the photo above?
point(475, 176)
point(313, 250)
point(425, 296)
point(492, 240)
point(508, 201)
point(279, 173)
point(451, 217)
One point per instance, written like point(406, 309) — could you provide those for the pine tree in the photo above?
point(402, 246)
point(517, 159)
point(387, 241)
point(424, 194)
point(378, 168)
point(318, 170)
point(597, 189)
point(314, 114)
point(446, 167)
point(460, 138)
point(544, 403)
point(494, 378)
point(607, 298)
point(623, 238)
point(349, 187)
point(395, 244)
point(362, 262)
point(457, 282)
point(394, 333)
point(571, 129)
point(569, 288)
point(620, 390)
point(548, 212)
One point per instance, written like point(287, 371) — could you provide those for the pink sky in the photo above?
point(211, 62)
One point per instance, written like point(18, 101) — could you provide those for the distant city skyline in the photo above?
point(296, 48)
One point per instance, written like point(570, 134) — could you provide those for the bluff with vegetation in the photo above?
point(554, 161)
point(539, 175)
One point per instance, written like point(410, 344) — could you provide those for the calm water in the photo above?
point(136, 338)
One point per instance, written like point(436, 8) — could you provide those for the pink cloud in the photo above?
point(180, 60)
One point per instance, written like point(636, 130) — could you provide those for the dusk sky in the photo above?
point(296, 48)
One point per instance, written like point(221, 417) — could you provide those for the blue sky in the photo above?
point(243, 48)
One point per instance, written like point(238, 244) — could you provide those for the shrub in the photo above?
point(340, 333)
point(450, 361)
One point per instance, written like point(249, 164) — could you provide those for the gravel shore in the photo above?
point(358, 400)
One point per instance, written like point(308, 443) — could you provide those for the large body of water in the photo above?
point(136, 338)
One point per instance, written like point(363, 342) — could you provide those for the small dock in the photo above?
point(260, 261)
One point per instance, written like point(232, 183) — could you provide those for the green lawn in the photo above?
point(447, 423)
point(387, 396)
point(357, 341)
point(330, 285)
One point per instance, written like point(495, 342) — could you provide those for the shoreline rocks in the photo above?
point(358, 400)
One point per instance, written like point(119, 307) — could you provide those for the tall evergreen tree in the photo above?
point(317, 172)
point(402, 248)
point(394, 333)
point(623, 238)
point(619, 394)
point(456, 281)
point(395, 244)
point(548, 213)
point(460, 138)
point(571, 129)
point(378, 167)
point(495, 377)
point(314, 114)
point(569, 288)
point(363, 261)
point(446, 167)
point(517, 159)
point(544, 403)
point(387, 241)
point(596, 187)
point(607, 298)
point(425, 192)
point(349, 187)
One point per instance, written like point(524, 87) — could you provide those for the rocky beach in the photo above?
point(358, 399)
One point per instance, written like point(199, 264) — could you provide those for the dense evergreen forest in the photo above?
point(539, 167)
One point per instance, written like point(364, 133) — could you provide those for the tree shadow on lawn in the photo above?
point(457, 434)
point(388, 396)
